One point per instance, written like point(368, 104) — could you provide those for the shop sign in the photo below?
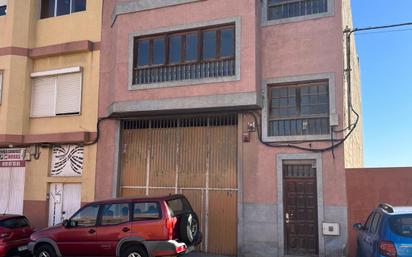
point(12, 157)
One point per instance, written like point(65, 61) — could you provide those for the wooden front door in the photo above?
point(300, 208)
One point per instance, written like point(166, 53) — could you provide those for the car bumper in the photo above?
point(3, 250)
point(166, 248)
point(30, 246)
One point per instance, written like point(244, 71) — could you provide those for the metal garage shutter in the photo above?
point(12, 190)
point(193, 156)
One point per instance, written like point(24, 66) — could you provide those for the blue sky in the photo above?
point(386, 73)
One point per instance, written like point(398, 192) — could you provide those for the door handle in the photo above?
point(287, 218)
point(92, 231)
point(126, 229)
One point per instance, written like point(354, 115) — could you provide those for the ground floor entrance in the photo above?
point(300, 208)
point(12, 176)
point(64, 201)
point(194, 156)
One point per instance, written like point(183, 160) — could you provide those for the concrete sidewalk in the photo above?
point(196, 254)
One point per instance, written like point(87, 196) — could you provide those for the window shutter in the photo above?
point(69, 90)
point(43, 97)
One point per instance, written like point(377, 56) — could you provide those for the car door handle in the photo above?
point(126, 229)
point(92, 231)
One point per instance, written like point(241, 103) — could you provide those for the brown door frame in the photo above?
point(316, 220)
point(317, 159)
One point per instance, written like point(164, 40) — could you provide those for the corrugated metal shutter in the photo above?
point(195, 156)
point(69, 91)
point(43, 97)
point(11, 190)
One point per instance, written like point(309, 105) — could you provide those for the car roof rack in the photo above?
point(388, 208)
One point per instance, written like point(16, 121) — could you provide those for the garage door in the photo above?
point(195, 156)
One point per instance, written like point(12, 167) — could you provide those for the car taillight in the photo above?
point(181, 248)
point(170, 225)
point(387, 248)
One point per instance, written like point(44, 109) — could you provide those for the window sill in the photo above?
point(270, 139)
point(55, 116)
point(189, 82)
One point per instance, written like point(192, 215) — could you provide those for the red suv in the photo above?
point(138, 227)
point(15, 231)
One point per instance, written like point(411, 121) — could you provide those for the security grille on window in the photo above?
point(196, 54)
point(56, 95)
point(299, 109)
point(52, 8)
point(67, 161)
point(3, 7)
point(282, 9)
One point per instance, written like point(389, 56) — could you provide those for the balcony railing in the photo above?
point(293, 8)
point(299, 127)
point(189, 71)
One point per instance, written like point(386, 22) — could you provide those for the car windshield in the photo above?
point(179, 206)
point(402, 225)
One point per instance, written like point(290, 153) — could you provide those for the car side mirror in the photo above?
point(65, 223)
point(358, 226)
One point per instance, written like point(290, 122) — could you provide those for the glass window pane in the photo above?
point(191, 47)
point(86, 217)
point(145, 211)
point(78, 5)
point(63, 7)
point(283, 92)
point(114, 214)
point(143, 52)
point(275, 92)
point(158, 51)
point(401, 225)
point(47, 8)
point(227, 42)
point(3, 9)
point(209, 45)
point(179, 206)
point(175, 48)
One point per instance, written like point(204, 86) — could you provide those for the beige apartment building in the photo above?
point(49, 79)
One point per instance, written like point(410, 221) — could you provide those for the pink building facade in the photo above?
point(237, 105)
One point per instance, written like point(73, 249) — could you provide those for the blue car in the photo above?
point(387, 232)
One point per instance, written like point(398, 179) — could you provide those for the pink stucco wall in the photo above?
point(299, 48)
point(114, 59)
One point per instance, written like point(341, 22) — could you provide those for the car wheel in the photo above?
point(45, 251)
point(189, 228)
point(134, 251)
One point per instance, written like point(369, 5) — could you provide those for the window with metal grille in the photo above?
point(282, 9)
point(299, 109)
point(52, 8)
point(185, 55)
point(3, 7)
